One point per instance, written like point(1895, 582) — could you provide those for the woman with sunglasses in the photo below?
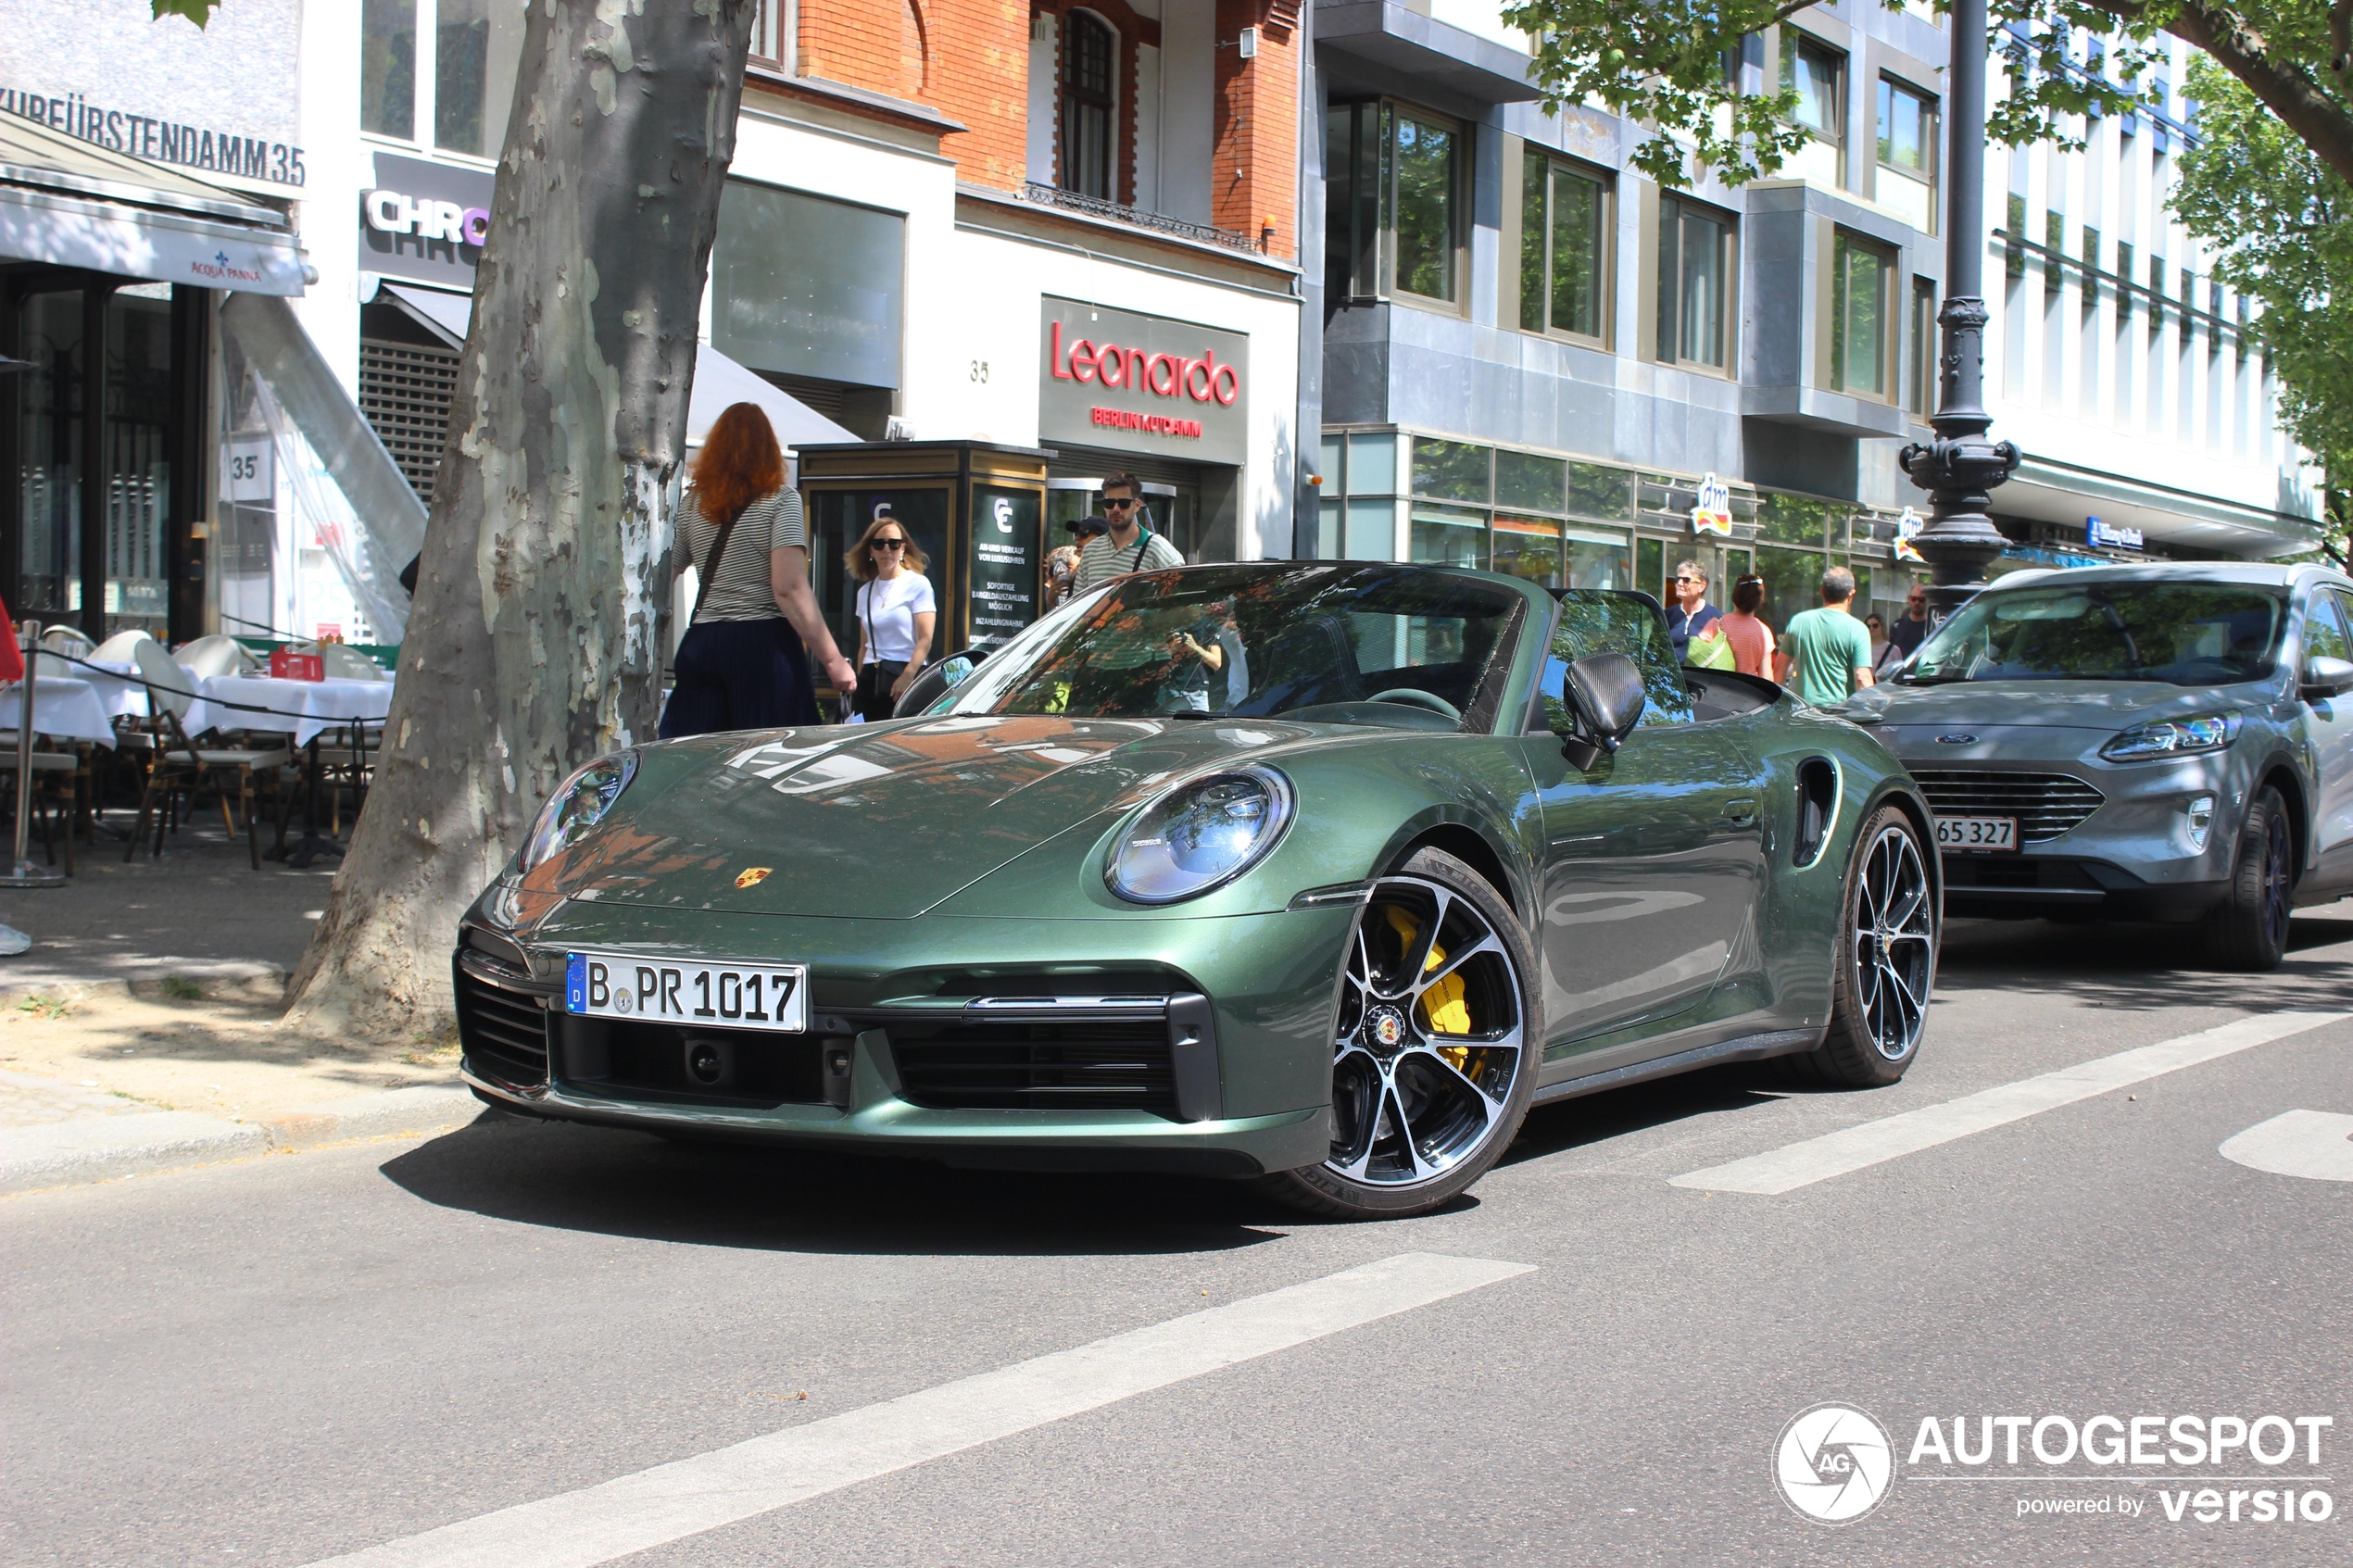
point(896, 614)
point(743, 663)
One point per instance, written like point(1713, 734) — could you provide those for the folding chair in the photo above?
point(178, 761)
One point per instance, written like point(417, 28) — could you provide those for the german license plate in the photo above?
point(699, 995)
point(1977, 833)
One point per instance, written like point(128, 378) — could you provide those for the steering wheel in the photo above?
point(1414, 697)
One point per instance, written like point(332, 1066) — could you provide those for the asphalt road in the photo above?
point(304, 1356)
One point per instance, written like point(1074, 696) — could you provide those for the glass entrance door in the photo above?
point(1174, 509)
point(50, 399)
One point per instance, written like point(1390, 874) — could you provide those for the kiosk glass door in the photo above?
point(1176, 511)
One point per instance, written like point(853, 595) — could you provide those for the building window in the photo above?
point(1861, 275)
point(388, 68)
point(1921, 399)
point(449, 65)
point(1393, 201)
point(1421, 192)
point(1090, 47)
point(772, 35)
point(1694, 285)
point(1561, 248)
point(1816, 73)
point(1906, 174)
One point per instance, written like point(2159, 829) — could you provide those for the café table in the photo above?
point(306, 709)
point(64, 708)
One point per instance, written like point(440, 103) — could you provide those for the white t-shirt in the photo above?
point(887, 607)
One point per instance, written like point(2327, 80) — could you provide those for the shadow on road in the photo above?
point(2142, 968)
point(617, 1183)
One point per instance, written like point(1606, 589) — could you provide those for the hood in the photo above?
point(2104, 706)
point(885, 822)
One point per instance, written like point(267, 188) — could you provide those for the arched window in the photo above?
point(1090, 49)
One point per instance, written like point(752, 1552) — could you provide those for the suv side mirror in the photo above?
point(937, 678)
point(2325, 677)
point(1603, 693)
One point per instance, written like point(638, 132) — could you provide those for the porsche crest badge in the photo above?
point(751, 875)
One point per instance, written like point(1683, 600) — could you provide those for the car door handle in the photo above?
point(1740, 813)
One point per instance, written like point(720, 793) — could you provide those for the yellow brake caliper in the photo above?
point(1443, 1007)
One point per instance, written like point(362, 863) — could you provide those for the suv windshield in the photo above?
point(2187, 633)
point(1365, 645)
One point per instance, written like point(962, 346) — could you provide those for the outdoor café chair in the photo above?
point(179, 763)
point(216, 654)
point(54, 775)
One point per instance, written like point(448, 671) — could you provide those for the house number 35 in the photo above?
point(980, 370)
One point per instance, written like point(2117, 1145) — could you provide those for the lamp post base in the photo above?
point(26, 874)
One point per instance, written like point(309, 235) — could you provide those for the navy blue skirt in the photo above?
point(739, 675)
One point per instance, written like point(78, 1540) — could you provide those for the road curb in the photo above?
point(99, 1148)
point(254, 982)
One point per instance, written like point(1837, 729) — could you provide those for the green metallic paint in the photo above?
point(933, 858)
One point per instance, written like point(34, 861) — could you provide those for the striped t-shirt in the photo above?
point(738, 589)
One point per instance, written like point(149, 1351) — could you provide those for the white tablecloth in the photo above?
point(63, 709)
point(119, 688)
point(323, 705)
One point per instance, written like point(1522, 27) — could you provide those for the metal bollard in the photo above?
point(22, 872)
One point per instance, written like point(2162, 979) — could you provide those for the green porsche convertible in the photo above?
point(1320, 874)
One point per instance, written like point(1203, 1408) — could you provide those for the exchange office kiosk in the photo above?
point(977, 511)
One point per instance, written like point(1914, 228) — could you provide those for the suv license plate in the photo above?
point(1977, 833)
point(698, 994)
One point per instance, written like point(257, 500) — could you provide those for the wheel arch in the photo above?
point(2279, 773)
point(1469, 840)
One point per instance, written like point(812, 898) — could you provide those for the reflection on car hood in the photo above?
point(885, 823)
point(2081, 705)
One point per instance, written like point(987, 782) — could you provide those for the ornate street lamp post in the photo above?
point(1961, 467)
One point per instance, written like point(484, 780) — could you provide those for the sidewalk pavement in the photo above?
point(142, 1032)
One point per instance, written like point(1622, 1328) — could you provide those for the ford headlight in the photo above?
point(579, 803)
point(1200, 834)
point(2173, 737)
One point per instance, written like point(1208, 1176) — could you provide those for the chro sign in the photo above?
point(392, 212)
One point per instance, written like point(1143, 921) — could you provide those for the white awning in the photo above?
point(719, 380)
point(71, 203)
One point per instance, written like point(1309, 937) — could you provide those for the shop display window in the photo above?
point(1450, 470)
point(1597, 491)
point(1449, 535)
point(1529, 547)
point(1529, 481)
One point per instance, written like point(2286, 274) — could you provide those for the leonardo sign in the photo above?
point(1145, 384)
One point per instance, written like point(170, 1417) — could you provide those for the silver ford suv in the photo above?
point(2168, 742)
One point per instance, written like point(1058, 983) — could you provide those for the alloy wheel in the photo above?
point(1431, 1041)
point(1894, 943)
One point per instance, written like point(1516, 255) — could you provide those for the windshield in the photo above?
point(2186, 634)
point(1365, 645)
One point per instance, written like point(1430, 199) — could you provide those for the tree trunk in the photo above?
point(531, 648)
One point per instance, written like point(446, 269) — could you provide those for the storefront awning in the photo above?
point(719, 380)
point(2049, 490)
point(71, 203)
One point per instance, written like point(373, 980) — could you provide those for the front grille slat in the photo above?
point(2046, 805)
point(1112, 1065)
point(503, 1031)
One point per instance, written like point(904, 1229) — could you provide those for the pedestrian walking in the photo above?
point(744, 661)
point(1826, 653)
point(1131, 546)
point(1911, 627)
point(1752, 640)
point(1691, 614)
point(896, 614)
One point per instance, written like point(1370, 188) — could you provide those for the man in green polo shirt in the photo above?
point(1825, 656)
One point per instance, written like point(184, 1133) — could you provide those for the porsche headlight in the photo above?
point(579, 803)
point(1199, 836)
point(2173, 737)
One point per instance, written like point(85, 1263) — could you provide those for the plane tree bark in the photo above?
point(531, 647)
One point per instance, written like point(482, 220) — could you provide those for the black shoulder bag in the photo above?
point(709, 564)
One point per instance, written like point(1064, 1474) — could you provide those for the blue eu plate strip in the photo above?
point(576, 983)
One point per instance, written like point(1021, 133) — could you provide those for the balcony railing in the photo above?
point(1071, 201)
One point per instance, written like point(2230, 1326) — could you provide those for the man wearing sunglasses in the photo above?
point(1691, 614)
point(1911, 627)
point(1131, 546)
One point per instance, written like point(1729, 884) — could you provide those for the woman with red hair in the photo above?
point(743, 664)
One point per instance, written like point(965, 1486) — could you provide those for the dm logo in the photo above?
point(1834, 1463)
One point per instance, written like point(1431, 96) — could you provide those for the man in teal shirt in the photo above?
point(1825, 656)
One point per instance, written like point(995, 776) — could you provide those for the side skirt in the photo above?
point(1748, 1048)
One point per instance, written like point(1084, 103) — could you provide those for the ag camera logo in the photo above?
point(1834, 1463)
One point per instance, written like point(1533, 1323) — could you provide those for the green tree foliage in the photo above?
point(2281, 221)
point(196, 11)
point(1668, 67)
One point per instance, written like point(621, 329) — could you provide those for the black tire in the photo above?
point(2249, 932)
point(1389, 1069)
point(1889, 926)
